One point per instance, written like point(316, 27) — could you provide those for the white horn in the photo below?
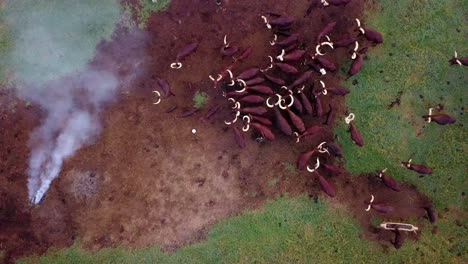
point(349, 118)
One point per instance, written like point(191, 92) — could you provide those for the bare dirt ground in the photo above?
point(147, 179)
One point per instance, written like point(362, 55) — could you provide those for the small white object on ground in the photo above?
point(194, 131)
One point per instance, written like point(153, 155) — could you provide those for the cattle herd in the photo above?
point(285, 92)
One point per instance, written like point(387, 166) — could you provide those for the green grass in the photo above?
point(200, 99)
point(288, 230)
point(53, 38)
point(419, 39)
point(145, 8)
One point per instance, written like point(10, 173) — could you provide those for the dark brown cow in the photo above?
point(441, 119)
point(261, 89)
point(265, 131)
point(257, 110)
point(282, 123)
point(338, 90)
point(185, 52)
point(306, 103)
point(356, 65)
point(304, 158)
point(327, 187)
point(327, 64)
point(283, 21)
point(274, 80)
point(294, 55)
point(417, 168)
point(252, 99)
point(388, 181)
point(344, 42)
point(296, 120)
point(229, 51)
point(355, 135)
point(288, 41)
point(263, 120)
point(239, 137)
point(284, 67)
point(325, 31)
point(254, 81)
point(248, 74)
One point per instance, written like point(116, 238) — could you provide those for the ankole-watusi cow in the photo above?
point(459, 61)
point(165, 88)
point(263, 120)
point(398, 242)
point(293, 56)
point(417, 168)
point(239, 137)
point(265, 131)
point(373, 36)
point(256, 110)
point(282, 21)
point(430, 213)
point(306, 103)
point(383, 208)
point(318, 106)
point(325, 31)
point(248, 74)
point(327, 187)
point(327, 64)
point(263, 89)
point(229, 51)
point(441, 119)
point(186, 51)
point(297, 105)
point(252, 99)
point(332, 168)
point(356, 65)
point(304, 77)
point(293, 38)
point(338, 90)
point(274, 79)
point(282, 123)
point(355, 135)
point(296, 120)
point(286, 68)
point(338, 2)
point(334, 149)
point(330, 117)
point(344, 42)
point(304, 158)
point(254, 81)
point(388, 181)
point(311, 131)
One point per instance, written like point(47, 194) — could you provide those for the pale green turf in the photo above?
point(53, 38)
point(424, 36)
point(145, 8)
point(288, 230)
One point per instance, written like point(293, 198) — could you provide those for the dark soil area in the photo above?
point(147, 179)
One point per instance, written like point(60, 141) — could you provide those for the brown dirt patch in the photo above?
point(149, 180)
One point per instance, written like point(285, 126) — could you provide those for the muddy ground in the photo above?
point(147, 179)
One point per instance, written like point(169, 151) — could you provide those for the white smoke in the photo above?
point(72, 108)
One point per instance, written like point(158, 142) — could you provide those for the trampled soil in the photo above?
point(147, 179)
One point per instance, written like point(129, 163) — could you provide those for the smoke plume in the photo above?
point(51, 62)
point(72, 109)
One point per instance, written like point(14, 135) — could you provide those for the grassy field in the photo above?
point(143, 10)
point(420, 37)
point(288, 230)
